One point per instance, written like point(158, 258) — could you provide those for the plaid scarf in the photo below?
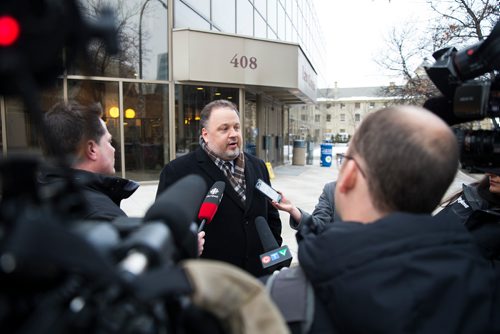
point(235, 176)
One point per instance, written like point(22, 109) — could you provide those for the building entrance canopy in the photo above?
point(278, 69)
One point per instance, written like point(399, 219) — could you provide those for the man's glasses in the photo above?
point(348, 157)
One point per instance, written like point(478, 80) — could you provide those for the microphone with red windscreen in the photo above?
point(211, 203)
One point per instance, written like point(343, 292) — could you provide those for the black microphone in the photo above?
point(177, 207)
point(274, 256)
point(150, 245)
point(211, 203)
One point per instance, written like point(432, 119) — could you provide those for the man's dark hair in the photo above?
point(408, 168)
point(207, 110)
point(71, 125)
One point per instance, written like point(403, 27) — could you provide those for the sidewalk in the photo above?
point(301, 184)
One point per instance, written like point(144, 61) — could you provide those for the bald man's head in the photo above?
point(410, 157)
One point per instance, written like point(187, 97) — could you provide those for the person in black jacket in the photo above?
point(81, 135)
point(477, 207)
point(389, 266)
point(231, 236)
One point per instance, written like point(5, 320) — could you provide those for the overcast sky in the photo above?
point(355, 32)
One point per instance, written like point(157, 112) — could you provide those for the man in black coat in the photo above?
point(389, 266)
point(231, 236)
point(79, 134)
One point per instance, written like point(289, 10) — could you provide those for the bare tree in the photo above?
point(463, 21)
point(126, 16)
point(460, 22)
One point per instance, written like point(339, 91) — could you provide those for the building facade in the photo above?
point(337, 113)
point(178, 55)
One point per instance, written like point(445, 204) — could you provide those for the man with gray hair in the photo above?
point(389, 266)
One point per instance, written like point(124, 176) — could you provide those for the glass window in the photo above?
point(260, 5)
point(317, 118)
point(281, 23)
point(357, 117)
point(342, 117)
point(20, 131)
point(223, 15)
point(186, 18)
point(142, 37)
point(200, 6)
point(372, 105)
point(260, 26)
point(244, 18)
point(251, 131)
point(328, 117)
point(357, 105)
point(271, 34)
point(105, 93)
point(289, 6)
point(187, 114)
point(144, 125)
point(152, 57)
point(272, 14)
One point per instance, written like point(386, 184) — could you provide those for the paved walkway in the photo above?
point(301, 184)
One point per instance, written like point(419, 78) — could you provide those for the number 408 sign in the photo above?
point(244, 62)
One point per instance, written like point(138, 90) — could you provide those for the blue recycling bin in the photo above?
point(326, 155)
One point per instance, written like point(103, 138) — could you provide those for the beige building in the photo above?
point(336, 114)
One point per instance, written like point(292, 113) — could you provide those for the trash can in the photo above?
point(299, 153)
point(326, 155)
point(310, 152)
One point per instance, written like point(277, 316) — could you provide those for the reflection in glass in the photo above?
point(144, 138)
point(152, 46)
point(106, 93)
point(250, 131)
point(142, 36)
point(20, 131)
point(187, 114)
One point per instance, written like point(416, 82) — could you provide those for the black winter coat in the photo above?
point(479, 217)
point(231, 236)
point(102, 193)
point(401, 274)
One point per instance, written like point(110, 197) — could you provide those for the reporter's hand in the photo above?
point(287, 206)
point(284, 204)
point(201, 242)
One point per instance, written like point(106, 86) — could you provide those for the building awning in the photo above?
point(278, 69)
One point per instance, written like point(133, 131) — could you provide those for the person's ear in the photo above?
point(91, 150)
point(348, 178)
point(204, 134)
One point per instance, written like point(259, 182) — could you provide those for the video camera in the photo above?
point(470, 83)
point(61, 274)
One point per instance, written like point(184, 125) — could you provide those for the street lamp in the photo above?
point(140, 32)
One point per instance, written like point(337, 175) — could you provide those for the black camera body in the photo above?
point(470, 84)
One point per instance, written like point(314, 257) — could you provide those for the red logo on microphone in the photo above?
point(266, 259)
